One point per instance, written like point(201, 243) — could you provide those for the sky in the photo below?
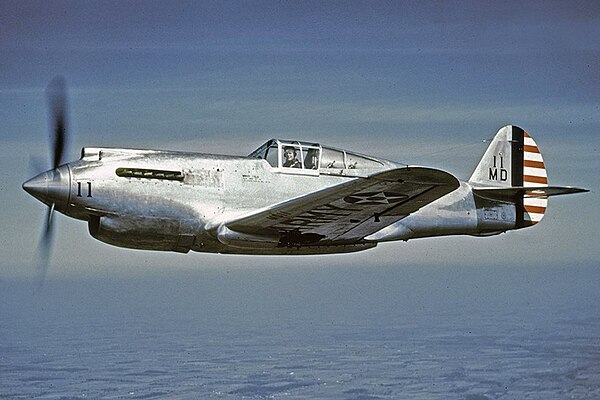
point(417, 82)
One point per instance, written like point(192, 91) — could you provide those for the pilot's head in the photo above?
point(289, 152)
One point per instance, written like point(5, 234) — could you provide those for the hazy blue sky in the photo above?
point(417, 83)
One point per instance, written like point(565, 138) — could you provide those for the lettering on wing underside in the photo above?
point(324, 214)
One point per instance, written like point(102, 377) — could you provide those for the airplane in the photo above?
point(287, 197)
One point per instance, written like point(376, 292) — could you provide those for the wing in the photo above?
point(348, 212)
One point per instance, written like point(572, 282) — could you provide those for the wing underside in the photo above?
point(348, 212)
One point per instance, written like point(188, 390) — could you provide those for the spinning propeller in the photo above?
point(51, 186)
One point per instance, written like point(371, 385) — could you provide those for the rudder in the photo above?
point(513, 160)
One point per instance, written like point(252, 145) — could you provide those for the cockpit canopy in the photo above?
point(311, 156)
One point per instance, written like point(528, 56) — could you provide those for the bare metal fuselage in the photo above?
point(143, 210)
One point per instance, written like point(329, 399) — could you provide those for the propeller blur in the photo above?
point(51, 187)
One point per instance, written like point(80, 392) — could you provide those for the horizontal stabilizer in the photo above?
point(506, 194)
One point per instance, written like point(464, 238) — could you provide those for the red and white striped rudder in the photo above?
point(534, 175)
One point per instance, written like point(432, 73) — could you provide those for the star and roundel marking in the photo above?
point(375, 198)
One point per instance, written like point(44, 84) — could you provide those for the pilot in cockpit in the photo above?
point(290, 158)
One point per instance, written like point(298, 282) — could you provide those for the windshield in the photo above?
point(268, 151)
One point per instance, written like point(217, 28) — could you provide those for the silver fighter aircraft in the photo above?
point(287, 196)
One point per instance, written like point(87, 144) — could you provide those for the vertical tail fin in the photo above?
point(513, 160)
